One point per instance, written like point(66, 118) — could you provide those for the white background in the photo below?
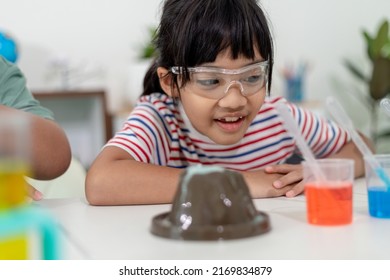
point(281, 270)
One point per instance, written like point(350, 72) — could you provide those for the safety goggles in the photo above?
point(214, 83)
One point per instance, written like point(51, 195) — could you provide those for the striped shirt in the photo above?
point(157, 131)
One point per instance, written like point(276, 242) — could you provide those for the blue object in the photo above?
point(8, 48)
point(379, 202)
point(295, 89)
point(24, 218)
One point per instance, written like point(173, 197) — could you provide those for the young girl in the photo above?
point(205, 102)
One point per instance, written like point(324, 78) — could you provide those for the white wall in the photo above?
point(324, 33)
point(104, 35)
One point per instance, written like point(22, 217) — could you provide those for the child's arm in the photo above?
point(51, 152)
point(116, 179)
point(261, 182)
point(293, 174)
point(50, 149)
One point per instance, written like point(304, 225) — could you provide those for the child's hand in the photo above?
point(293, 175)
point(33, 193)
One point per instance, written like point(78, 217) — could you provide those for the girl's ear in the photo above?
point(166, 81)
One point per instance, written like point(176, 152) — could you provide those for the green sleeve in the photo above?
point(14, 93)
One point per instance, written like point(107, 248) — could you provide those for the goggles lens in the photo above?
point(214, 83)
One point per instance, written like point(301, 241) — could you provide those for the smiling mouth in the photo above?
point(230, 124)
point(230, 119)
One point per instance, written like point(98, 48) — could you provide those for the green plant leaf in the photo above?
point(369, 43)
point(381, 39)
point(148, 50)
point(386, 50)
point(355, 71)
point(380, 80)
point(384, 134)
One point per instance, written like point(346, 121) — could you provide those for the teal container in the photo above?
point(378, 186)
point(24, 220)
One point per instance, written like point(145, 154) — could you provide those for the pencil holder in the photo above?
point(294, 89)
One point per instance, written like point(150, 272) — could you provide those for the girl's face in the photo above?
point(226, 117)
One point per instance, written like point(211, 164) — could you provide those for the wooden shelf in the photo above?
point(84, 116)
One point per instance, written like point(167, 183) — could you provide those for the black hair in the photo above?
point(193, 32)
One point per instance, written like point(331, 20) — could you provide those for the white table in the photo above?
point(122, 232)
